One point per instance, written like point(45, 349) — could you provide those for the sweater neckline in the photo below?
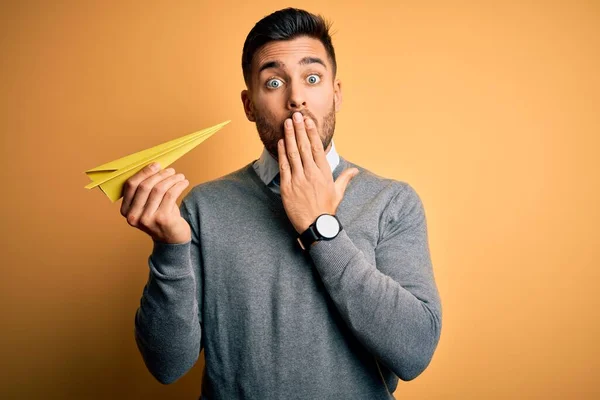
point(274, 198)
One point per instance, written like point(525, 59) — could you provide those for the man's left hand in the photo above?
point(306, 180)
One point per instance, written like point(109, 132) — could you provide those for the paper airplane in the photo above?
point(111, 177)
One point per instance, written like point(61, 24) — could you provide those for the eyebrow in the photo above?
point(304, 61)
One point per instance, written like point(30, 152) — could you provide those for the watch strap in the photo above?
point(311, 235)
point(308, 237)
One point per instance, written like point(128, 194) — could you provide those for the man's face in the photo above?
point(289, 76)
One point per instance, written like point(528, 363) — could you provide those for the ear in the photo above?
point(337, 94)
point(248, 106)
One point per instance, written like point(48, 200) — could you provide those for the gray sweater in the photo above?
point(278, 323)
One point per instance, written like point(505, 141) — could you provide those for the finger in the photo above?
point(316, 145)
point(291, 149)
point(158, 192)
point(303, 143)
point(141, 195)
point(341, 183)
point(168, 200)
point(131, 184)
point(284, 165)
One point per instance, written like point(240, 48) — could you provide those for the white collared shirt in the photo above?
point(267, 167)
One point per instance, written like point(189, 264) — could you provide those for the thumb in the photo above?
point(342, 181)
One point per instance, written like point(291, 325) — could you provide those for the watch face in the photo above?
point(327, 226)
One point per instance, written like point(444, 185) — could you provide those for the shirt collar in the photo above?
point(267, 166)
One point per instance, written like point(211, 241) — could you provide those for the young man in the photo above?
point(299, 278)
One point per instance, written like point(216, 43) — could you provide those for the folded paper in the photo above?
point(111, 177)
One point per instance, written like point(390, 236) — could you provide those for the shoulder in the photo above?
point(368, 181)
point(397, 201)
point(220, 187)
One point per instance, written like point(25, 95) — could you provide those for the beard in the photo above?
point(270, 133)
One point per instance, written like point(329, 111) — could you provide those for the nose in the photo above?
point(296, 98)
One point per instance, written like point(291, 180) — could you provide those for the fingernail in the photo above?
point(297, 117)
point(154, 166)
point(309, 122)
point(288, 123)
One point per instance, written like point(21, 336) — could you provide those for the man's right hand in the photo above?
point(149, 204)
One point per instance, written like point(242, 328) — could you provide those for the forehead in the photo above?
point(290, 52)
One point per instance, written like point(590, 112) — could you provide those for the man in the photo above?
point(299, 278)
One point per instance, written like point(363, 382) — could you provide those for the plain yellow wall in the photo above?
point(491, 111)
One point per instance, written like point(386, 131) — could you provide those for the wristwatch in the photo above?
point(325, 227)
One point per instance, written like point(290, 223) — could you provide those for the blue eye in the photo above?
point(274, 83)
point(313, 79)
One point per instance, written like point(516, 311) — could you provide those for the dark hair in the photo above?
point(286, 24)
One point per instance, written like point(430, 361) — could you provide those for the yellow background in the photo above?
point(490, 110)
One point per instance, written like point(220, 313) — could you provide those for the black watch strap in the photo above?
point(308, 237)
point(311, 235)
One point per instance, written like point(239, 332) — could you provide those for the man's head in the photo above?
point(289, 65)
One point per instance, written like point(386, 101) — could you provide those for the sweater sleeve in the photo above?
point(393, 307)
point(167, 322)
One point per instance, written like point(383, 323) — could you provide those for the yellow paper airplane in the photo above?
point(111, 177)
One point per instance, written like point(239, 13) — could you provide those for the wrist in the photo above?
point(181, 235)
point(325, 227)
